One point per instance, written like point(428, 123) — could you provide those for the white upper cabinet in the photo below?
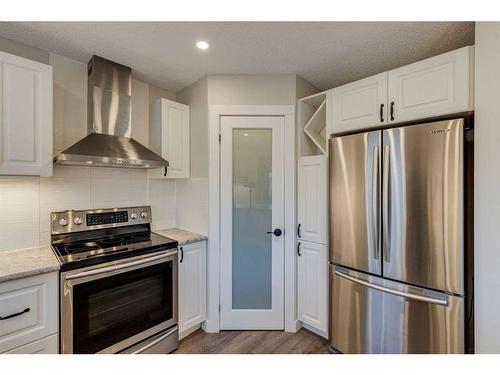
point(312, 199)
point(359, 104)
point(436, 86)
point(25, 116)
point(169, 136)
point(192, 286)
point(313, 285)
point(429, 88)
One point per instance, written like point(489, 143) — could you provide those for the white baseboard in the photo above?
point(293, 326)
point(315, 330)
point(187, 332)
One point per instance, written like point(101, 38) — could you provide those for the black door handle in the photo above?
point(298, 249)
point(298, 231)
point(182, 254)
point(277, 232)
point(27, 309)
point(392, 111)
point(382, 112)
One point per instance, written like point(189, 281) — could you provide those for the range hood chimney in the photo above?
point(109, 142)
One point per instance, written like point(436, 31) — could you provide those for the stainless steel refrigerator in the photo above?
point(398, 240)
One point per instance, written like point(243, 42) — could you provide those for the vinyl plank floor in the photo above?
point(253, 342)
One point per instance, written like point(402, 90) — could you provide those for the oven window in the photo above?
point(111, 309)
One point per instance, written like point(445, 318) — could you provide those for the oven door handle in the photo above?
point(120, 266)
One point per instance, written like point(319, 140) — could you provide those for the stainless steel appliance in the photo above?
point(109, 141)
point(399, 240)
point(118, 284)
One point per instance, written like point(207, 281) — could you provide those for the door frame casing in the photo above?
point(212, 324)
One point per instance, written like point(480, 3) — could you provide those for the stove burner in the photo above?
point(111, 241)
point(79, 247)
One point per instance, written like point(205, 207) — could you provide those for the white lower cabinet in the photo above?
point(192, 286)
point(29, 311)
point(313, 286)
point(47, 345)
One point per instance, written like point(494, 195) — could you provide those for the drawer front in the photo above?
point(35, 301)
point(47, 345)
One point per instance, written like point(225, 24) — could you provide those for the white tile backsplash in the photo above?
point(192, 202)
point(19, 203)
point(162, 196)
point(28, 201)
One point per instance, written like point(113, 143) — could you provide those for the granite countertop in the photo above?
point(16, 264)
point(182, 236)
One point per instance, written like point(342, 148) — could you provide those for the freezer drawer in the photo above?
point(373, 315)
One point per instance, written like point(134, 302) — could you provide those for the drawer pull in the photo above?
point(27, 309)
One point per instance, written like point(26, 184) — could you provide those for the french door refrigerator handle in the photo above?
point(417, 297)
point(376, 201)
point(386, 203)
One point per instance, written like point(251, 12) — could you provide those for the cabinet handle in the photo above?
point(27, 309)
point(298, 249)
point(182, 254)
point(298, 231)
point(382, 112)
point(392, 111)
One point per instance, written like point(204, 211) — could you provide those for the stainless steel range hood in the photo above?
point(109, 123)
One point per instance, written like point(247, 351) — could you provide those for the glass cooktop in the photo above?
point(83, 249)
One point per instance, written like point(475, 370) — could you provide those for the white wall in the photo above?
point(487, 188)
point(244, 89)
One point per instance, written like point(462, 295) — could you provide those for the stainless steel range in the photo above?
point(118, 282)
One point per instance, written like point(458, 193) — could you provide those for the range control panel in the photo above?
point(77, 221)
point(107, 218)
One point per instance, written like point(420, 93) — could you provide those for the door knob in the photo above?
point(277, 232)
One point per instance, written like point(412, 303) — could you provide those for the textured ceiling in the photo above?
point(327, 54)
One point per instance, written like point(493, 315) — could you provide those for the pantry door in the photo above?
point(252, 221)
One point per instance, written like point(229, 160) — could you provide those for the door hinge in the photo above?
point(220, 138)
point(219, 308)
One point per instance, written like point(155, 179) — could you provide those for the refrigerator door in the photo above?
point(373, 315)
point(422, 199)
point(355, 200)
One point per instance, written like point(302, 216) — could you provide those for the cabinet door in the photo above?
point(25, 116)
point(47, 345)
point(29, 307)
point(313, 199)
point(192, 285)
point(175, 138)
point(436, 86)
point(313, 285)
point(359, 105)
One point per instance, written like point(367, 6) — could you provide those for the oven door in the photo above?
point(110, 308)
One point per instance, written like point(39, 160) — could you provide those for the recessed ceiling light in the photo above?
point(201, 44)
point(246, 134)
point(90, 162)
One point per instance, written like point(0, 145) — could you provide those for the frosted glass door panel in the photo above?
point(252, 218)
point(252, 251)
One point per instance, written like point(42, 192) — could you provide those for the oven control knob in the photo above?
point(144, 214)
point(78, 220)
point(133, 215)
point(63, 222)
